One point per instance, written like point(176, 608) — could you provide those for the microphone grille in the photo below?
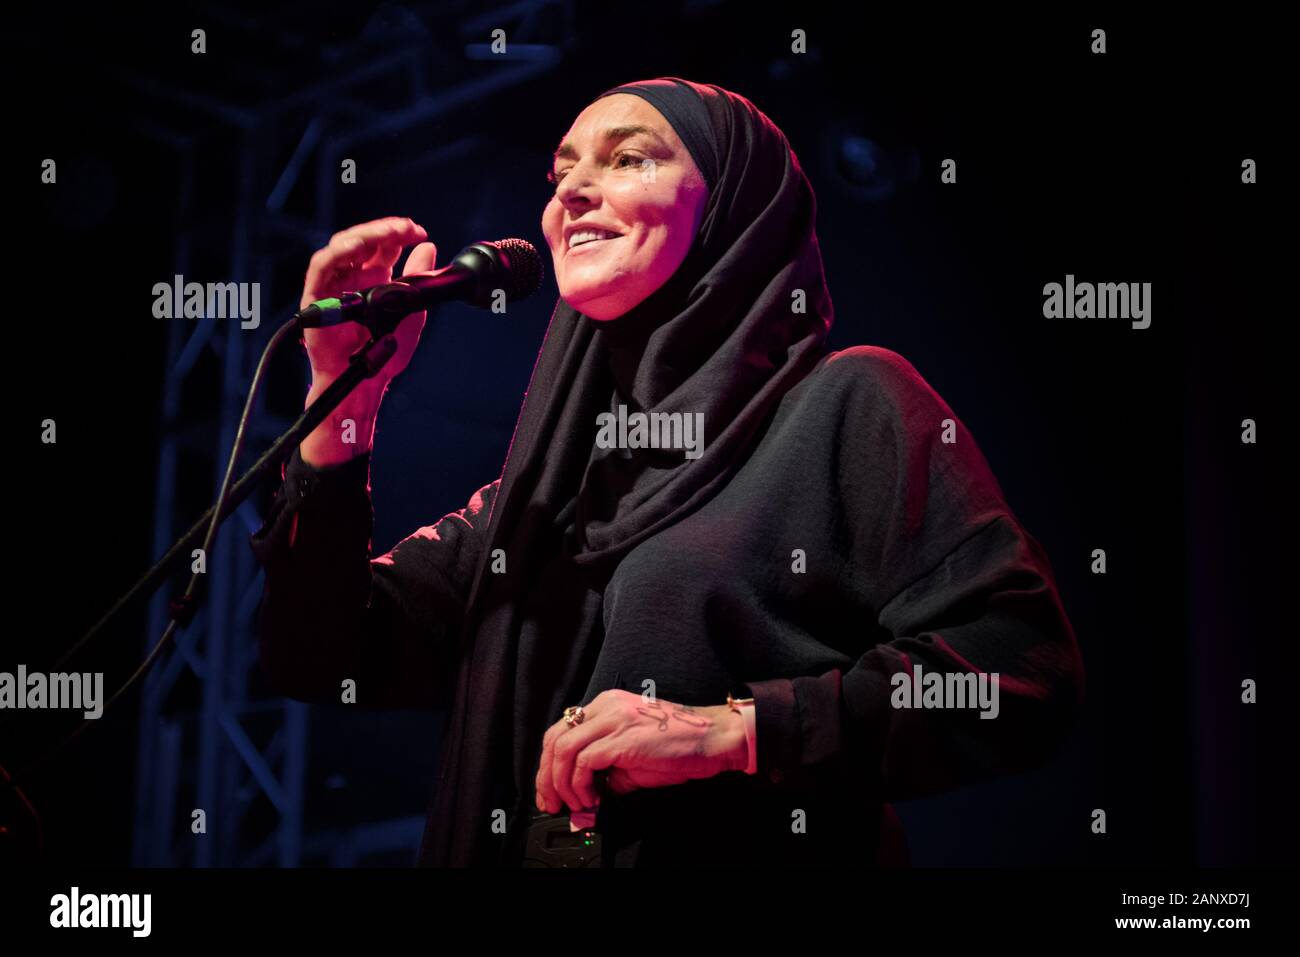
point(523, 267)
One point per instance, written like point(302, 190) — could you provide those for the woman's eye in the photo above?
point(554, 176)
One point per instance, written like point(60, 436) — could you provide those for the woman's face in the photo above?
point(604, 182)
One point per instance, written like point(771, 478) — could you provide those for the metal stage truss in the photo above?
point(234, 748)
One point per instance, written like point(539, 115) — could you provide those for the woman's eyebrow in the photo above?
point(567, 150)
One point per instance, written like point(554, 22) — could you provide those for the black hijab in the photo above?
point(742, 320)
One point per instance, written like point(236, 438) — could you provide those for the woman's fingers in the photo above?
point(360, 256)
point(547, 797)
point(350, 264)
point(589, 767)
point(560, 780)
point(382, 239)
point(568, 746)
point(554, 786)
point(421, 259)
point(375, 247)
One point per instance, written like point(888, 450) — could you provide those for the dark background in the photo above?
point(1116, 168)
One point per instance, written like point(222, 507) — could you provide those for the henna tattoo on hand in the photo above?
point(680, 711)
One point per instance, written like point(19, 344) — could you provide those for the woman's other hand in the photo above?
point(643, 742)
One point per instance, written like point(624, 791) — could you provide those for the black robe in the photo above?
point(852, 543)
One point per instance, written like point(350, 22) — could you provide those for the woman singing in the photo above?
point(733, 646)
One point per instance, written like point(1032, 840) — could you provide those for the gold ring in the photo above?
point(574, 715)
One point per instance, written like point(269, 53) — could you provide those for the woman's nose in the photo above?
point(577, 188)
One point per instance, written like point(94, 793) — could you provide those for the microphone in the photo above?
point(479, 271)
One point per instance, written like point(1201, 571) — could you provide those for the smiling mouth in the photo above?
point(591, 243)
point(586, 235)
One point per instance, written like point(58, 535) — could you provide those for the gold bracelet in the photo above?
point(734, 703)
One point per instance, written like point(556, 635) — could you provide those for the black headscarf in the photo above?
point(741, 321)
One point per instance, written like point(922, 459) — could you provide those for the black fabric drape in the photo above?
point(741, 321)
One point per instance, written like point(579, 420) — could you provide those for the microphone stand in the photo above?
point(380, 309)
point(382, 317)
point(363, 364)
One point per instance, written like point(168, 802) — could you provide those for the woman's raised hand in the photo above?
point(357, 258)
